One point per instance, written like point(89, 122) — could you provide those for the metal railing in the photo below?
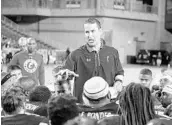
point(21, 31)
point(11, 24)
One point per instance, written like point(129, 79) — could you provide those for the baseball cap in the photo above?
point(167, 77)
point(96, 88)
point(167, 89)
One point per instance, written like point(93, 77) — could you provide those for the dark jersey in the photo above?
point(31, 107)
point(24, 119)
point(104, 63)
point(101, 112)
point(36, 108)
point(42, 111)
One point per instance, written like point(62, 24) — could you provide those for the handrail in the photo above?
point(12, 24)
point(16, 27)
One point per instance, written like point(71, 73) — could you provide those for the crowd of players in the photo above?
point(141, 103)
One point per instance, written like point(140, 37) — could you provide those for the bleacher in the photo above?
point(13, 31)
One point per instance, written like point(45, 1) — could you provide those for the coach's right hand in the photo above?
point(65, 74)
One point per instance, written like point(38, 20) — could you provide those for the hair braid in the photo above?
point(136, 105)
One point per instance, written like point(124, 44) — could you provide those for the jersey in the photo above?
point(101, 112)
point(24, 119)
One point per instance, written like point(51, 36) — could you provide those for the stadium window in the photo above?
point(73, 4)
point(119, 4)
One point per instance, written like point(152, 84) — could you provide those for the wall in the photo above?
point(124, 32)
point(67, 31)
point(165, 36)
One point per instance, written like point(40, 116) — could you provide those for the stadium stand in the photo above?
point(11, 30)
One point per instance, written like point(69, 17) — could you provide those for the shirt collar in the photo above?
point(91, 49)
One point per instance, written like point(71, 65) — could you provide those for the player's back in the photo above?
point(107, 110)
point(24, 119)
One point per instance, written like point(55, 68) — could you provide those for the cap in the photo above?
point(167, 89)
point(168, 72)
point(96, 88)
point(166, 77)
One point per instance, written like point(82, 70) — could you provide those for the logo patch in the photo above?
point(30, 65)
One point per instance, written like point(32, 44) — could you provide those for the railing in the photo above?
point(21, 31)
point(13, 25)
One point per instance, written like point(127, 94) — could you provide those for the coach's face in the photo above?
point(92, 34)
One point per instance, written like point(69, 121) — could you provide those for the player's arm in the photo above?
point(119, 76)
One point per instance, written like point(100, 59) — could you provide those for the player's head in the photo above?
point(22, 43)
point(13, 101)
point(136, 104)
point(27, 84)
point(11, 78)
point(16, 71)
point(62, 108)
point(93, 32)
point(40, 94)
point(93, 21)
point(6, 83)
point(31, 45)
point(165, 80)
point(166, 96)
point(96, 92)
point(145, 77)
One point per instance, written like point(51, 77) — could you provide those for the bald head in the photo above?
point(31, 45)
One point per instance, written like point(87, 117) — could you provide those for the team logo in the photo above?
point(30, 65)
